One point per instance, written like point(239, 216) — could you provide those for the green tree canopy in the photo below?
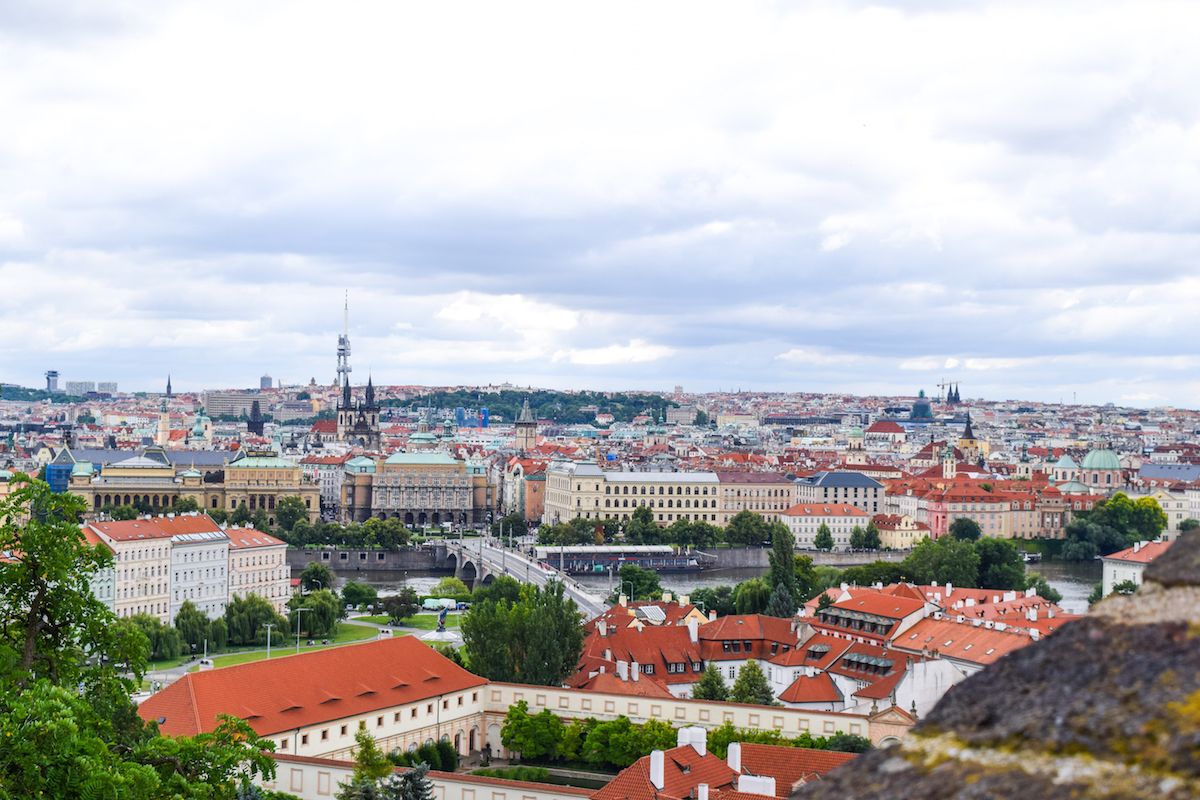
point(781, 603)
point(450, 587)
point(504, 587)
point(321, 611)
point(824, 538)
point(401, 605)
point(1000, 564)
point(715, 598)
point(536, 640)
point(751, 596)
point(965, 529)
point(317, 576)
point(871, 538)
point(289, 511)
point(711, 685)
point(751, 686)
point(246, 619)
point(359, 594)
point(638, 582)
point(946, 560)
point(192, 625)
point(747, 528)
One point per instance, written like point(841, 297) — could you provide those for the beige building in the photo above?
point(258, 565)
point(584, 490)
point(257, 480)
point(423, 488)
point(805, 519)
point(899, 531)
point(767, 494)
point(141, 564)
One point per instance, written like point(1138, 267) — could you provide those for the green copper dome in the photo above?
point(1101, 459)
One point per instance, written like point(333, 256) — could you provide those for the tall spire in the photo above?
point(168, 386)
point(370, 392)
point(967, 432)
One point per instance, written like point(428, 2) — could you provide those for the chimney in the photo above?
point(734, 757)
point(622, 600)
point(712, 615)
point(694, 735)
point(666, 597)
point(693, 631)
point(756, 784)
point(623, 670)
point(684, 600)
point(657, 764)
point(949, 589)
point(635, 670)
point(1030, 592)
point(1050, 612)
point(1034, 634)
point(602, 628)
point(702, 791)
point(607, 654)
point(1032, 615)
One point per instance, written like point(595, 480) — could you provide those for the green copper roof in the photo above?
point(261, 462)
point(420, 458)
point(360, 464)
point(5, 475)
point(1066, 462)
point(83, 468)
point(1101, 459)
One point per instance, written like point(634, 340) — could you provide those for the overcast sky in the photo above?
point(830, 196)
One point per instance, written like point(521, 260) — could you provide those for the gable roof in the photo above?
point(789, 765)
point(302, 690)
point(683, 770)
point(818, 688)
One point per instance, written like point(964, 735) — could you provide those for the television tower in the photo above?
point(343, 349)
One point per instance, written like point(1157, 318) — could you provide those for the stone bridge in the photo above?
point(477, 562)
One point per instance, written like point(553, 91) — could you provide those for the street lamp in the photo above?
point(270, 625)
point(630, 595)
point(299, 611)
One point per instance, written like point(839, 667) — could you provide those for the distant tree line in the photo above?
point(561, 407)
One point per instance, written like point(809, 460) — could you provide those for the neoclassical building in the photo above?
point(584, 490)
point(419, 488)
point(256, 480)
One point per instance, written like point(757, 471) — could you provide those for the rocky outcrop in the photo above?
point(1107, 707)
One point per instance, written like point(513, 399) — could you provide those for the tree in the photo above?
point(504, 587)
point(192, 625)
point(413, 785)
point(642, 529)
point(246, 620)
point(746, 528)
point(450, 587)
point(751, 596)
point(120, 512)
point(1189, 524)
point(289, 511)
point(871, 538)
point(218, 516)
point(322, 614)
point(165, 642)
point(240, 515)
point(945, 560)
point(717, 599)
point(370, 763)
point(751, 686)
point(858, 538)
point(1043, 589)
point(184, 505)
point(402, 605)
point(1125, 587)
point(67, 667)
point(317, 576)
point(513, 525)
point(1000, 564)
point(538, 639)
point(711, 685)
point(359, 594)
point(639, 582)
point(824, 601)
point(781, 603)
point(781, 561)
point(824, 538)
point(965, 529)
point(884, 572)
point(534, 736)
point(260, 521)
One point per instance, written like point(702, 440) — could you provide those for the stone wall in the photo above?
point(348, 560)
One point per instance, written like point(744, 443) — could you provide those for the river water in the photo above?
point(1074, 581)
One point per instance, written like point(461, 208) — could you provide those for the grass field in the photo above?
point(347, 633)
point(428, 622)
point(379, 619)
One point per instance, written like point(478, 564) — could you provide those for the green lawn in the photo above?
point(347, 632)
point(428, 622)
point(379, 619)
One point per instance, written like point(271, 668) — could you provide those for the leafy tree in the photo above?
point(781, 560)
point(858, 538)
point(751, 686)
point(746, 528)
point(513, 525)
point(1097, 594)
point(824, 601)
point(289, 511)
point(450, 587)
point(192, 625)
point(240, 515)
point(451, 652)
point(871, 538)
point(537, 639)
point(946, 560)
point(322, 614)
point(884, 572)
point(711, 685)
point(715, 598)
point(67, 667)
point(965, 529)
point(1125, 587)
point(359, 594)
point(504, 587)
point(218, 516)
point(246, 619)
point(370, 763)
point(642, 529)
point(317, 576)
point(640, 582)
point(448, 755)
point(165, 641)
point(401, 605)
point(1000, 564)
point(218, 634)
point(1044, 590)
point(119, 512)
point(260, 521)
point(751, 596)
point(824, 538)
point(534, 736)
point(184, 505)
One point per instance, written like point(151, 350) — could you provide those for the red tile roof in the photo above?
point(683, 770)
point(244, 538)
point(644, 686)
point(962, 640)
point(1142, 554)
point(818, 688)
point(303, 690)
point(790, 765)
point(760, 630)
point(825, 510)
point(156, 527)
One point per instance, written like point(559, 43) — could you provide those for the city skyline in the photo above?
point(716, 197)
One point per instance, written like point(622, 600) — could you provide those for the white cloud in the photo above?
point(635, 352)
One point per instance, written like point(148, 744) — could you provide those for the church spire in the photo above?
point(967, 432)
point(168, 386)
point(370, 392)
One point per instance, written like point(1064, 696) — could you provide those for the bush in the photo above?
point(531, 774)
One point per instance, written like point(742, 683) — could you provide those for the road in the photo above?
point(501, 560)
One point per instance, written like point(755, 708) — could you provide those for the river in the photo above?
point(1073, 581)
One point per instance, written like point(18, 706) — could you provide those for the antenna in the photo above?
point(346, 316)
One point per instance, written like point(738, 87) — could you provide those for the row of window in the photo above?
point(683, 490)
point(344, 730)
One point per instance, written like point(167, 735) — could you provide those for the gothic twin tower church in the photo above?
point(357, 422)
